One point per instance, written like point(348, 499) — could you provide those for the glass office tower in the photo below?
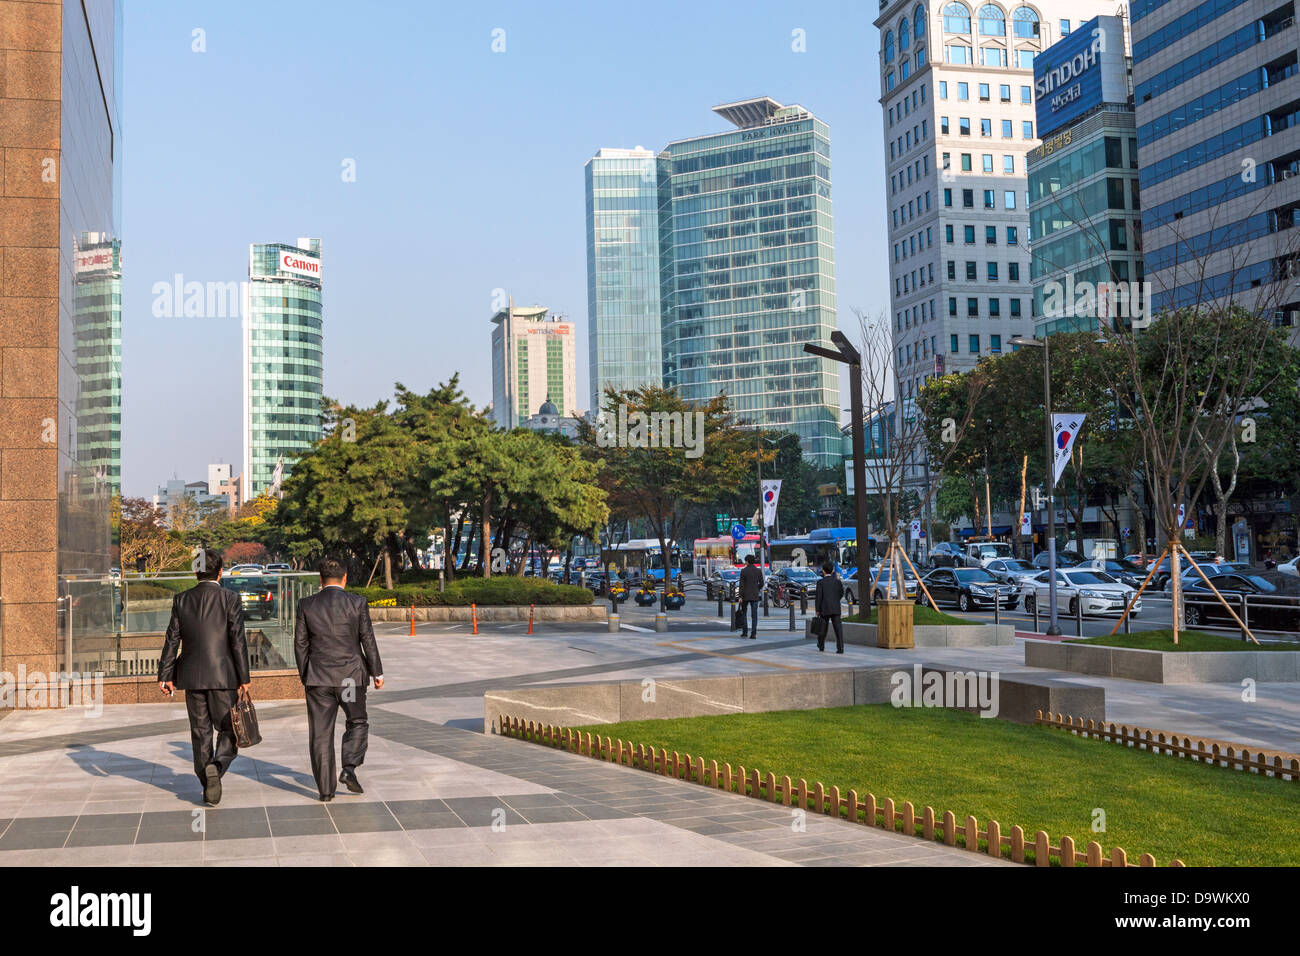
point(622, 271)
point(283, 380)
point(98, 312)
point(748, 270)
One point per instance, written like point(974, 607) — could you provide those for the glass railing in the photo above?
point(116, 625)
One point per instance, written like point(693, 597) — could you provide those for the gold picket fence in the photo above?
point(1014, 844)
point(1220, 753)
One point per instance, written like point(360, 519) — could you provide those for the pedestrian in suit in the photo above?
point(751, 590)
point(334, 644)
point(205, 654)
point(827, 599)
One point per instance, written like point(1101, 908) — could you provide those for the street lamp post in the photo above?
point(850, 356)
point(1053, 628)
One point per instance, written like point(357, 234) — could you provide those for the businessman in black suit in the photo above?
point(827, 598)
point(334, 644)
point(205, 654)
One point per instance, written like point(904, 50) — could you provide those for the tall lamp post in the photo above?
point(1053, 628)
point(850, 356)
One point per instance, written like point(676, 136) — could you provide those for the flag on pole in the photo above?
point(277, 475)
point(1026, 524)
point(771, 494)
point(1065, 429)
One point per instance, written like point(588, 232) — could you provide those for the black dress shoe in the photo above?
point(212, 786)
point(326, 797)
point(349, 779)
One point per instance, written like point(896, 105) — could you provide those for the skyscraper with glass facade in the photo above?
point(748, 270)
point(742, 251)
point(98, 313)
point(283, 367)
point(623, 335)
point(1218, 105)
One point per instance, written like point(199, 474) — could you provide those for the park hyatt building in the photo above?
point(744, 251)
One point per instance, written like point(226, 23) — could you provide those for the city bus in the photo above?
point(641, 556)
point(837, 545)
point(715, 554)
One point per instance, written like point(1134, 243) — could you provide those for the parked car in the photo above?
point(796, 581)
point(256, 594)
point(724, 581)
point(884, 590)
point(278, 569)
point(1211, 571)
point(980, 553)
point(1064, 559)
point(946, 554)
point(1163, 570)
point(1097, 591)
point(1290, 567)
point(1125, 572)
point(967, 589)
point(1272, 599)
point(246, 569)
point(1011, 570)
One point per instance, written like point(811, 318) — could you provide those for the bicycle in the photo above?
point(780, 596)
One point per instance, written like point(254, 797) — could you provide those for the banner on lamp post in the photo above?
point(1065, 429)
point(771, 495)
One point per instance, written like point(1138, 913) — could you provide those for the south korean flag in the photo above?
point(1065, 429)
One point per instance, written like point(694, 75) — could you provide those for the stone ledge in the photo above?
point(1165, 667)
point(931, 635)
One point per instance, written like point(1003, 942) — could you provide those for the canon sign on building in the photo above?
point(299, 264)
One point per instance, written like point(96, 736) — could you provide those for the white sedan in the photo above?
point(1097, 591)
point(1290, 567)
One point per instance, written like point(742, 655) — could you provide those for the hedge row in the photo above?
point(497, 591)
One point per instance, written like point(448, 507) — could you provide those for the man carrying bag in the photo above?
point(826, 600)
point(205, 654)
point(751, 590)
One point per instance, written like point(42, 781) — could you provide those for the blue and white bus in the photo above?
point(837, 545)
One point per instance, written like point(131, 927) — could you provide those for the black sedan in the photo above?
point(1064, 559)
point(794, 582)
point(257, 594)
point(1272, 601)
point(967, 589)
point(722, 582)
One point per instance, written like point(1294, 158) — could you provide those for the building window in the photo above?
point(987, 162)
point(991, 235)
point(1026, 95)
point(963, 91)
point(889, 81)
point(1009, 199)
point(1008, 164)
point(1015, 308)
point(947, 233)
point(969, 235)
point(995, 341)
point(1013, 272)
point(993, 22)
point(1012, 236)
point(958, 54)
point(974, 344)
point(993, 271)
point(918, 21)
point(963, 125)
point(993, 56)
point(988, 199)
point(943, 125)
point(965, 163)
point(947, 197)
point(1006, 130)
point(952, 339)
point(943, 89)
point(956, 18)
point(986, 127)
point(1004, 92)
point(1025, 59)
point(1027, 128)
point(968, 198)
point(984, 92)
point(1065, 28)
point(1025, 23)
point(904, 35)
point(995, 308)
point(973, 307)
point(952, 309)
point(970, 271)
point(889, 46)
point(952, 269)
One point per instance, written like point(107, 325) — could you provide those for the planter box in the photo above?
point(1165, 667)
point(935, 635)
point(547, 612)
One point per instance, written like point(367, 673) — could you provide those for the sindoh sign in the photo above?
point(1080, 72)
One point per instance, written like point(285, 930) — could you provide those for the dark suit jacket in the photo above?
point(207, 631)
point(334, 641)
point(829, 594)
point(751, 582)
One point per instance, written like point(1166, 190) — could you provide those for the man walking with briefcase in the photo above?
point(826, 600)
point(751, 591)
point(205, 654)
point(334, 644)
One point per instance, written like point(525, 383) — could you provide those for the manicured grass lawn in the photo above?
point(1187, 641)
point(920, 615)
point(1035, 777)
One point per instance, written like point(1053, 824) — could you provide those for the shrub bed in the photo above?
point(497, 591)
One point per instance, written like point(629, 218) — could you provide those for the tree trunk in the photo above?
point(448, 549)
point(485, 546)
point(388, 567)
point(526, 559)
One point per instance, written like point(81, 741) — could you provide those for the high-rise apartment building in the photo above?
point(957, 92)
point(533, 362)
point(1084, 208)
point(744, 250)
point(1218, 129)
point(62, 139)
point(622, 271)
point(283, 364)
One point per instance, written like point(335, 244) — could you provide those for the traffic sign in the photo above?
point(1126, 531)
point(738, 531)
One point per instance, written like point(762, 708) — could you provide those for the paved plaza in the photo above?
point(119, 788)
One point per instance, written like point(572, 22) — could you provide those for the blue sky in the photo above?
point(468, 174)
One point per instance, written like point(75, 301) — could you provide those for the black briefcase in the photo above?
point(243, 721)
point(819, 627)
point(738, 619)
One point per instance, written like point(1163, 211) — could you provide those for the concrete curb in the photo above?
point(1165, 667)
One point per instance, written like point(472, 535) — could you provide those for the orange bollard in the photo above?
point(530, 618)
point(473, 614)
point(412, 620)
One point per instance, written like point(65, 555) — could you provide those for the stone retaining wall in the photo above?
point(1164, 667)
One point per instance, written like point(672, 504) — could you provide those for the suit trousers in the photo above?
point(832, 621)
point(323, 705)
point(209, 712)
